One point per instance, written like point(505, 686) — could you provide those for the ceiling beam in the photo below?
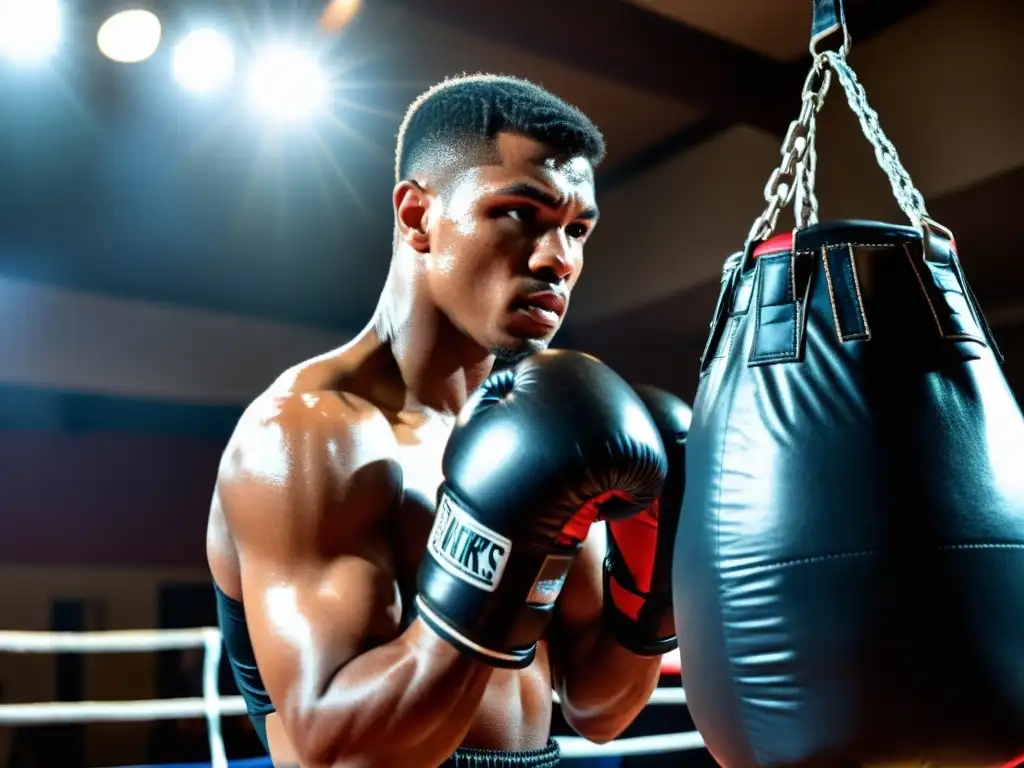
point(622, 42)
point(865, 18)
point(869, 18)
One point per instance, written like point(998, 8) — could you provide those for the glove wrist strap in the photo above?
point(639, 635)
point(518, 659)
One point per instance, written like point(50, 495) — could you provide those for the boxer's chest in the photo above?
point(420, 453)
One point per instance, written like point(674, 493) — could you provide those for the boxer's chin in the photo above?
point(511, 354)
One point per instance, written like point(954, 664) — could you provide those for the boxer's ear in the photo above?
point(412, 206)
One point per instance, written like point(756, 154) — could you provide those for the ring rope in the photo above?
point(44, 713)
point(213, 643)
point(121, 641)
point(212, 706)
point(132, 640)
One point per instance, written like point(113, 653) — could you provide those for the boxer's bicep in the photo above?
point(306, 512)
point(308, 620)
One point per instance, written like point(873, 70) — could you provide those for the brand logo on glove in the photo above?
point(467, 549)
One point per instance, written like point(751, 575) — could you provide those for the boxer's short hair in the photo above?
point(466, 113)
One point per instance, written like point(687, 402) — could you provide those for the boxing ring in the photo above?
point(212, 706)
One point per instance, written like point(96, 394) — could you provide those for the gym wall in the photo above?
point(113, 417)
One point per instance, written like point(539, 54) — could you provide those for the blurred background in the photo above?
point(196, 197)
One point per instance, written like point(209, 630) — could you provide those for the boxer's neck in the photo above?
point(439, 364)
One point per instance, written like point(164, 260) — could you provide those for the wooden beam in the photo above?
point(619, 41)
point(865, 18)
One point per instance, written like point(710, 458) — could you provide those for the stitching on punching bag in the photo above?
point(728, 339)
point(844, 294)
point(723, 310)
point(859, 295)
point(920, 281)
point(776, 306)
point(980, 316)
point(946, 316)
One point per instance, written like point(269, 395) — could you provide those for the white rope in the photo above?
point(674, 696)
point(132, 640)
point(174, 709)
point(659, 696)
point(211, 698)
point(212, 707)
point(573, 746)
point(127, 641)
point(115, 711)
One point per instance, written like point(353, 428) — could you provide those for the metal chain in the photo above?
point(795, 176)
point(781, 186)
point(805, 207)
point(907, 195)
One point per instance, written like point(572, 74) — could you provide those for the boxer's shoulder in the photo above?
point(311, 456)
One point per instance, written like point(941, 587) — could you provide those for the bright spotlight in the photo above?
point(130, 36)
point(339, 13)
point(287, 85)
point(204, 61)
point(29, 29)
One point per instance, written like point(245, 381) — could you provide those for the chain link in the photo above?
point(806, 204)
point(795, 175)
point(907, 195)
point(794, 169)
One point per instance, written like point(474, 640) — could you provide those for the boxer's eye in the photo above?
point(524, 214)
point(577, 230)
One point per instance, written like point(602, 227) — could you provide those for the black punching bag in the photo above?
point(849, 568)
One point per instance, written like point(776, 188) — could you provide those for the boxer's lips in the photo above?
point(544, 307)
point(549, 301)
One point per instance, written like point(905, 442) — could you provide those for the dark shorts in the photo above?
point(485, 758)
point(548, 757)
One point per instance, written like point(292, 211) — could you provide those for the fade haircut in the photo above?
point(459, 120)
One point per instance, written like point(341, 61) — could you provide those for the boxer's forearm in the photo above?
point(603, 686)
point(409, 701)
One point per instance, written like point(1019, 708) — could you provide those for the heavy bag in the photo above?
point(849, 568)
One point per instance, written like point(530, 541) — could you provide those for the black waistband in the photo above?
point(547, 757)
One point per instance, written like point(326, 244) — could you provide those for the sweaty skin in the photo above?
point(325, 494)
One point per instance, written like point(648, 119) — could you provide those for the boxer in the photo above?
point(346, 641)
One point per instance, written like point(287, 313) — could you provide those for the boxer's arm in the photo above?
point(602, 686)
point(309, 491)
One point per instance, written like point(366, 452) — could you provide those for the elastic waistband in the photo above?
point(548, 757)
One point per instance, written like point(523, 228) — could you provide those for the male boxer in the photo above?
point(345, 639)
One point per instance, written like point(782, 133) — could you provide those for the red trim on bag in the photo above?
point(784, 243)
point(778, 244)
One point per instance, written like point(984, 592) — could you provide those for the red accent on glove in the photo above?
point(637, 539)
point(576, 530)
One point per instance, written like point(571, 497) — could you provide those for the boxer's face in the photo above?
point(506, 245)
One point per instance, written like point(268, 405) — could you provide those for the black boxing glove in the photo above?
point(537, 454)
point(638, 566)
